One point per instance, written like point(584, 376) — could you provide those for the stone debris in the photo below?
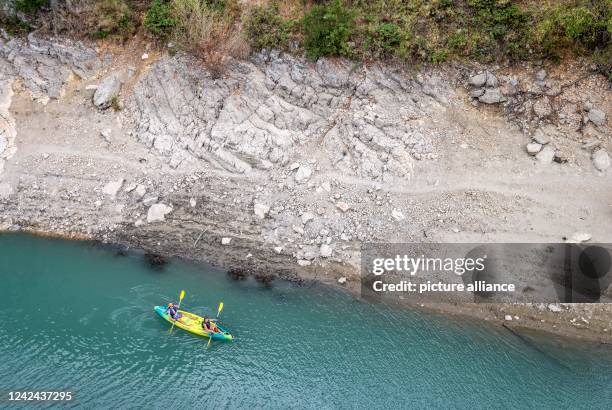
point(140, 190)
point(261, 210)
point(107, 90)
point(546, 155)
point(106, 134)
point(579, 237)
point(326, 251)
point(130, 187)
point(601, 160)
point(303, 173)
point(112, 188)
point(533, 148)
point(540, 75)
point(307, 217)
point(150, 200)
point(478, 80)
point(492, 96)
point(597, 117)
point(397, 215)
point(158, 212)
point(542, 107)
point(542, 136)
point(343, 206)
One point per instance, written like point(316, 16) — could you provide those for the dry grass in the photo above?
point(205, 32)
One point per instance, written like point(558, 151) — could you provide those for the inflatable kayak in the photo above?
point(193, 324)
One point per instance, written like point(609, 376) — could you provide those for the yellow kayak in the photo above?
point(193, 324)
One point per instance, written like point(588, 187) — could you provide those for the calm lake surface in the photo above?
point(79, 316)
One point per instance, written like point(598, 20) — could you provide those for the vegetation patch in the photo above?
point(417, 31)
point(265, 28)
point(159, 18)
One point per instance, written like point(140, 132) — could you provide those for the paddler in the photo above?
point(174, 313)
point(209, 325)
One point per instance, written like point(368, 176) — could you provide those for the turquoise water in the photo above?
point(79, 316)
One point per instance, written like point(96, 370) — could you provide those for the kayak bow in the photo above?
point(193, 324)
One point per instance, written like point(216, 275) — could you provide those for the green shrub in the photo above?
point(14, 25)
point(327, 29)
point(504, 23)
point(29, 6)
point(581, 27)
point(159, 19)
point(265, 28)
point(388, 36)
point(439, 56)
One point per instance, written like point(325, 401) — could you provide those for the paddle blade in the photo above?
point(208, 344)
point(220, 309)
point(182, 295)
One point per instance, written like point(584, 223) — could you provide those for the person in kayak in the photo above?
point(209, 325)
point(174, 313)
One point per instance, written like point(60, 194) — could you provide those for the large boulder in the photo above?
point(107, 90)
point(492, 96)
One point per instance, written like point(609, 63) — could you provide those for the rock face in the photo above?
point(3, 143)
point(158, 212)
point(263, 112)
point(45, 65)
point(107, 90)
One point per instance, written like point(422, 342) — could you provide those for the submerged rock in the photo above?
point(154, 260)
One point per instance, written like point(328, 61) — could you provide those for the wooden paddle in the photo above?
point(181, 296)
point(218, 313)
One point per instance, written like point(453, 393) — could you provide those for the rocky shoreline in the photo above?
point(283, 168)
